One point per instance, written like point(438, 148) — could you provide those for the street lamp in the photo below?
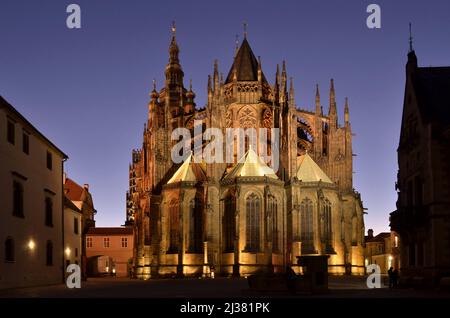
point(31, 245)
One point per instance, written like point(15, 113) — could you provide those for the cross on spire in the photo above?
point(245, 30)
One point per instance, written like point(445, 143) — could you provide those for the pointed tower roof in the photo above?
point(309, 171)
point(246, 65)
point(251, 165)
point(189, 171)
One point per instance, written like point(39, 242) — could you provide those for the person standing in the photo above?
point(395, 278)
point(391, 277)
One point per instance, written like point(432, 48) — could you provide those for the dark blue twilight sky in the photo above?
point(87, 89)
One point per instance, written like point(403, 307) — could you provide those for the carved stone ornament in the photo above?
point(267, 119)
point(228, 119)
point(247, 118)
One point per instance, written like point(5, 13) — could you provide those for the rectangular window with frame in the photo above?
point(18, 200)
point(89, 242)
point(75, 226)
point(26, 143)
point(106, 242)
point(124, 242)
point(11, 132)
point(49, 160)
point(48, 211)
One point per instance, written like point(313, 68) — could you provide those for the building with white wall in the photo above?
point(31, 203)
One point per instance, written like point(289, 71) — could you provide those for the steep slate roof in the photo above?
point(432, 87)
point(189, 171)
point(251, 165)
point(246, 65)
point(309, 171)
point(110, 231)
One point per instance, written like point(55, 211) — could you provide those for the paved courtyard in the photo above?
point(340, 287)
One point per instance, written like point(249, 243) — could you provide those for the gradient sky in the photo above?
point(87, 90)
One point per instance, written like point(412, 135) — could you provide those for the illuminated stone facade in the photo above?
point(243, 218)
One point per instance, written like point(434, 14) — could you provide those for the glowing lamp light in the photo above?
point(107, 268)
point(390, 257)
point(31, 245)
point(114, 270)
point(67, 252)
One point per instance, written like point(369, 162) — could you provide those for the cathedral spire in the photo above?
point(283, 82)
point(346, 113)
point(318, 108)
point(190, 95)
point(209, 84)
point(410, 39)
point(291, 93)
point(210, 92)
point(259, 69)
point(174, 72)
point(332, 113)
point(277, 84)
point(173, 49)
point(154, 94)
point(245, 64)
point(216, 77)
point(411, 66)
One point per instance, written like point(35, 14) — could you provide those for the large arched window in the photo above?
point(327, 224)
point(253, 212)
point(49, 253)
point(229, 223)
point(9, 250)
point(306, 226)
point(174, 221)
point(195, 226)
point(306, 220)
point(272, 211)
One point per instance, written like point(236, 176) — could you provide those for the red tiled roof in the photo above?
point(110, 231)
point(73, 190)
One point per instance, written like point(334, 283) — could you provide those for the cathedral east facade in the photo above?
point(243, 217)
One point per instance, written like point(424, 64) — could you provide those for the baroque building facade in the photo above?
point(243, 217)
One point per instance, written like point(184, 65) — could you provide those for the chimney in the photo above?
point(86, 186)
point(370, 233)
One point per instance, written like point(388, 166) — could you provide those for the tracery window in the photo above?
point(253, 212)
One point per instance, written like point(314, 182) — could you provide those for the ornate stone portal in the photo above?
point(242, 218)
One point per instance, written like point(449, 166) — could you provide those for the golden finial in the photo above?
point(154, 84)
point(174, 28)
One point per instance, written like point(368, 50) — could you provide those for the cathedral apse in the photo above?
point(243, 217)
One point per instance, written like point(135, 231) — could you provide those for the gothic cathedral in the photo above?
point(243, 217)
